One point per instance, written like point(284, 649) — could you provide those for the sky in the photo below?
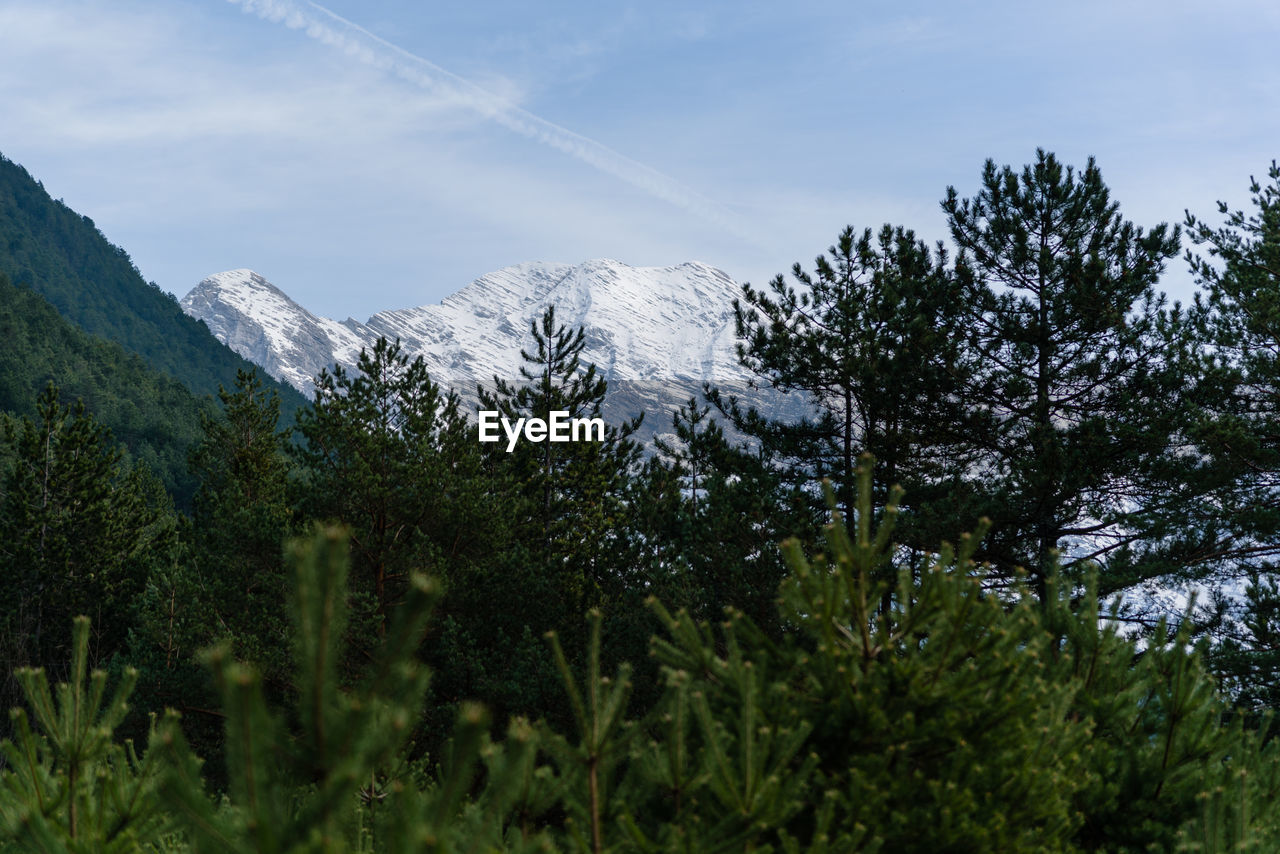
point(366, 155)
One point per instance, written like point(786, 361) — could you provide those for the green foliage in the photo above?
point(1246, 655)
point(79, 532)
point(1241, 276)
point(569, 511)
point(872, 339)
point(293, 781)
point(929, 725)
point(886, 695)
point(242, 516)
point(952, 719)
point(571, 493)
point(1157, 739)
point(388, 453)
point(601, 740)
point(154, 416)
point(1235, 811)
point(708, 517)
point(335, 772)
point(484, 796)
point(1239, 429)
point(228, 580)
point(68, 786)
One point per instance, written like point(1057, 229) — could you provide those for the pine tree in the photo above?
point(335, 771)
point(710, 522)
point(1241, 431)
point(952, 719)
point(79, 531)
point(573, 491)
point(871, 339)
point(1156, 722)
point(927, 725)
point(242, 517)
point(388, 452)
point(569, 507)
point(1082, 370)
point(67, 784)
point(599, 710)
point(293, 782)
point(228, 580)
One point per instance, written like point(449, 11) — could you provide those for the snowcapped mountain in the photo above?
point(654, 333)
point(258, 321)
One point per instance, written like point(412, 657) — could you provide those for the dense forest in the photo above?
point(155, 416)
point(1009, 588)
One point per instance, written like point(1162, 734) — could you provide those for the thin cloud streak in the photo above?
point(331, 29)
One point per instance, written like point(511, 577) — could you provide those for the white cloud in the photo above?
point(323, 25)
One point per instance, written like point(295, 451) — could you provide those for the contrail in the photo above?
point(329, 28)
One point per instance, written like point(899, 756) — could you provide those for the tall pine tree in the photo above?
point(570, 506)
point(710, 531)
point(1082, 376)
point(573, 491)
point(242, 516)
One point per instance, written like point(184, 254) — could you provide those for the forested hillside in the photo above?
point(155, 416)
point(61, 255)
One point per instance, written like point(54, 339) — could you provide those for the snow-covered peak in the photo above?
point(260, 322)
point(642, 323)
point(656, 334)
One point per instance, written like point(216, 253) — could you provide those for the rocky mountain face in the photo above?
point(656, 334)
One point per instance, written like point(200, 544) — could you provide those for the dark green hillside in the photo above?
point(154, 415)
point(46, 246)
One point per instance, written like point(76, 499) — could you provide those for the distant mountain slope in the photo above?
point(656, 334)
point(61, 255)
point(152, 414)
point(260, 322)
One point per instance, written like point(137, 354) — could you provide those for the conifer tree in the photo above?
point(388, 452)
point(709, 522)
point(924, 726)
point(242, 517)
point(871, 340)
point(1155, 717)
point(574, 509)
point(1082, 372)
point(334, 771)
point(229, 579)
point(1235, 811)
point(570, 510)
point(599, 711)
point(950, 719)
point(296, 790)
point(79, 530)
point(66, 784)
point(1241, 431)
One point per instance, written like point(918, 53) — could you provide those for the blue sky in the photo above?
point(374, 154)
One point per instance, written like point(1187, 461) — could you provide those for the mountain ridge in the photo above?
point(655, 334)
